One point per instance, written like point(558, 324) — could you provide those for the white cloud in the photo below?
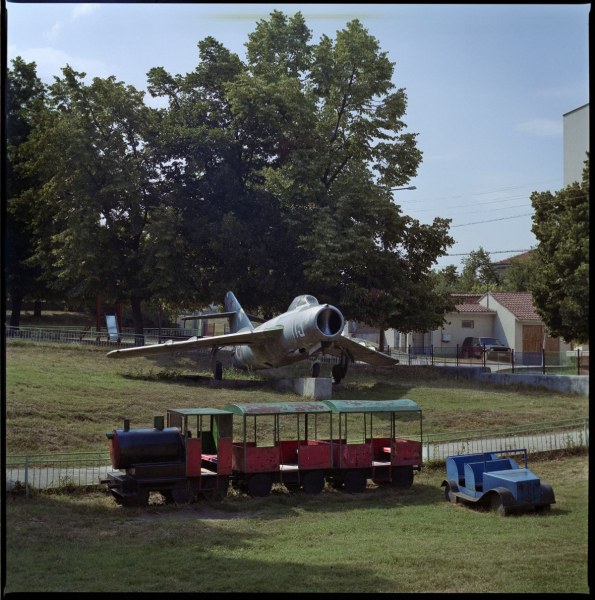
point(82, 10)
point(79, 11)
point(542, 127)
point(50, 61)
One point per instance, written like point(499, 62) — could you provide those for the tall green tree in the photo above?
point(238, 240)
point(24, 98)
point(271, 176)
point(111, 233)
point(518, 275)
point(345, 147)
point(479, 274)
point(561, 284)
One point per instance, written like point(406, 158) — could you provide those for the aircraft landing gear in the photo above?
point(216, 366)
point(218, 371)
point(315, 369)
point(339, 371)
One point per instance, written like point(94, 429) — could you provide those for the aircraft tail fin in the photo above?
point(239, 319)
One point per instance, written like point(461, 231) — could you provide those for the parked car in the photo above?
point(473, 347)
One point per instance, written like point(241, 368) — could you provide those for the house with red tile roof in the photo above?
point(509, 316)
point(500, 266)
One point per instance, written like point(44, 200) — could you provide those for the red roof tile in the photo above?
point(473, 308)
point(520, 304)
point(467, 297)
point(520, 257)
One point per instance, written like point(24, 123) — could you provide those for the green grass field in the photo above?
point(65, 398)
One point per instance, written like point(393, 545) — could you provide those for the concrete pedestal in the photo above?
point(313, 388)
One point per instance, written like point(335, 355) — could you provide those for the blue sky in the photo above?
point(487, 87)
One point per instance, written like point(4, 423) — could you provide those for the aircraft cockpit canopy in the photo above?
point(303, 300)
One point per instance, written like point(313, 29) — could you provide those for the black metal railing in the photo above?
point(570, 362)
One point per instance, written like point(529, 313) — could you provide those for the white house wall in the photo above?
point(506, 325)
point(483, 326)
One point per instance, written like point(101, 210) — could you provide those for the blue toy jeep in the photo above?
point(494, 480)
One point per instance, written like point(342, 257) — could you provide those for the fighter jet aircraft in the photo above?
point(305, 331)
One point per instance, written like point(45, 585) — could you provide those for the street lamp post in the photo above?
point(411, 187)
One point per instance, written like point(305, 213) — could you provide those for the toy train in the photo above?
point(199, 452)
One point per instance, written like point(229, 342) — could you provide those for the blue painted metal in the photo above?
point(490, 479)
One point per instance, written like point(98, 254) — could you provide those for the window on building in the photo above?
point(468, 324)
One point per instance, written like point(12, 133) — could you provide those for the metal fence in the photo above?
point(54, 471)
point(572, 362)
point(90, 335)
point(25, 473)
point(537, 437)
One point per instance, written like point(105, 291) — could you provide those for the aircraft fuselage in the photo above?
point(305, 329)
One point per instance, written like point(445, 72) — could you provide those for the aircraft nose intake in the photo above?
point(330, 321)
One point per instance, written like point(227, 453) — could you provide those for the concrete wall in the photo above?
point(571, 384)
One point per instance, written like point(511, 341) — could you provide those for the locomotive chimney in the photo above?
point(126, 424)
point(158, 423)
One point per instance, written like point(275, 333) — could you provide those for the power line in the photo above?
point(493, 252)
point(492, 220)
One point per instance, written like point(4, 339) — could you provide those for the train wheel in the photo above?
point(220, 490)
point(260, 485)
point(335, 482)
point(402, 477)
point(141, 498)
point(355, 481)
point(313, 482)
point(181, 495)
point(167, 497)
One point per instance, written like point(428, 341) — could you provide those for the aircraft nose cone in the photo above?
point(330, 321)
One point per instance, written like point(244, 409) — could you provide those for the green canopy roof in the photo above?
point(353, 406)
point(188, 412)
point(275, 408)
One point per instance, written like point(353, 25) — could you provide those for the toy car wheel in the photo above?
point(497, 505)
point(449, 494)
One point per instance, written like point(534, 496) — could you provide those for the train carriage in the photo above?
point(369, 445)
point(298, 457)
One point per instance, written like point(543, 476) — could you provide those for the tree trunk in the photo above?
point(137, 315)
point(382, 341)
point(15, 314)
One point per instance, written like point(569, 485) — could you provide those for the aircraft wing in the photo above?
point(216, 341)
point(359, 352)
